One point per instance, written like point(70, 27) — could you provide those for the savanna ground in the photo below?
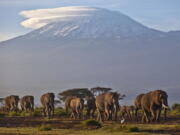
point(25, 124)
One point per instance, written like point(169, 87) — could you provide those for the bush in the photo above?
point(25, 114)
point(45, 127)
point(2, 114)
point(90, 123)
point(175, 112)
point(60, 112)
point(12, 114)
point(121, 128)
point(176, 106)
point(175, 109)
point(133, 129)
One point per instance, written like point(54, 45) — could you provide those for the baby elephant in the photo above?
point(47, 101)
point(27, 103)
point(127, 111)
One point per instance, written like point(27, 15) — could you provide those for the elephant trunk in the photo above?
point(115, 111)
point(165, 106)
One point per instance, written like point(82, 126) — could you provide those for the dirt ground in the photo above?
point(65, 123)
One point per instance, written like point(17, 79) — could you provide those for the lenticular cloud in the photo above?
point(41, 17)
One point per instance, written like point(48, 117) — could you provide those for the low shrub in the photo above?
point(12, 114)
point(174, 112)
point(133, 129)
point(121, 128)
point(25, 114)
point(2, 114)
point(90, 123)
point(45, 127)
point(175, 109)
point(176, 106)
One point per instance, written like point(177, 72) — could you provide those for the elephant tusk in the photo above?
point(165, 106)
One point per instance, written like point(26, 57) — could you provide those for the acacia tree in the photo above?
point(121, 96)
point(57, 103)
point(77, 92)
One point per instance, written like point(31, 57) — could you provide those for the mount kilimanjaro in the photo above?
point(91, 47)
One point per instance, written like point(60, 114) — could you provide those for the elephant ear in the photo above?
point(160, 97)
point(157, 96)
point(116, 96)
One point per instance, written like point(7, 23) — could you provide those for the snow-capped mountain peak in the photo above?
point(86, 22)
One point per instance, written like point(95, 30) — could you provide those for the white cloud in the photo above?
point(6, 36)
point(41, 17)
point(163, 24)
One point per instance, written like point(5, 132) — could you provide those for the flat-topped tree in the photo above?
point(121, 96)
point(77, 92)
point(99, 90)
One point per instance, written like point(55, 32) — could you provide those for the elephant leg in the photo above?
point(51, 111)
point(88, 113)
point(107, 113)
point(146, 116)
point(165, 113)
point(99, 118)
point(115, 116)
point(81, 114)
point(107, 116)
point(110, 115)
point(22, 108)
point(32, 107)
point(153, 113)
point(122, 115)
point(136, 114)
point(129, 115)
point(158, 115)
point(73, 115)
point(143, 118)
point(78, 114)
point(92, 114)
point(43, 111)
point(47, 112)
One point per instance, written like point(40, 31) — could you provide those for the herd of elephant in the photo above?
point(106, 105)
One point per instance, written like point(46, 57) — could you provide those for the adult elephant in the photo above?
point(107, 105)
point(67, 102)
point(137, 103)
point(11, 103)
point(91, 106)
point(27, 103)
point(76, 105)
point(47, 101)
point(152, 103)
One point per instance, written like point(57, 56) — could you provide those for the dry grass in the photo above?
point(115, 129)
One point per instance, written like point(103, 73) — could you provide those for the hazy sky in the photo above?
point(160, 14)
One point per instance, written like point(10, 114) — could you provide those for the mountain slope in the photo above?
point(91, 47)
